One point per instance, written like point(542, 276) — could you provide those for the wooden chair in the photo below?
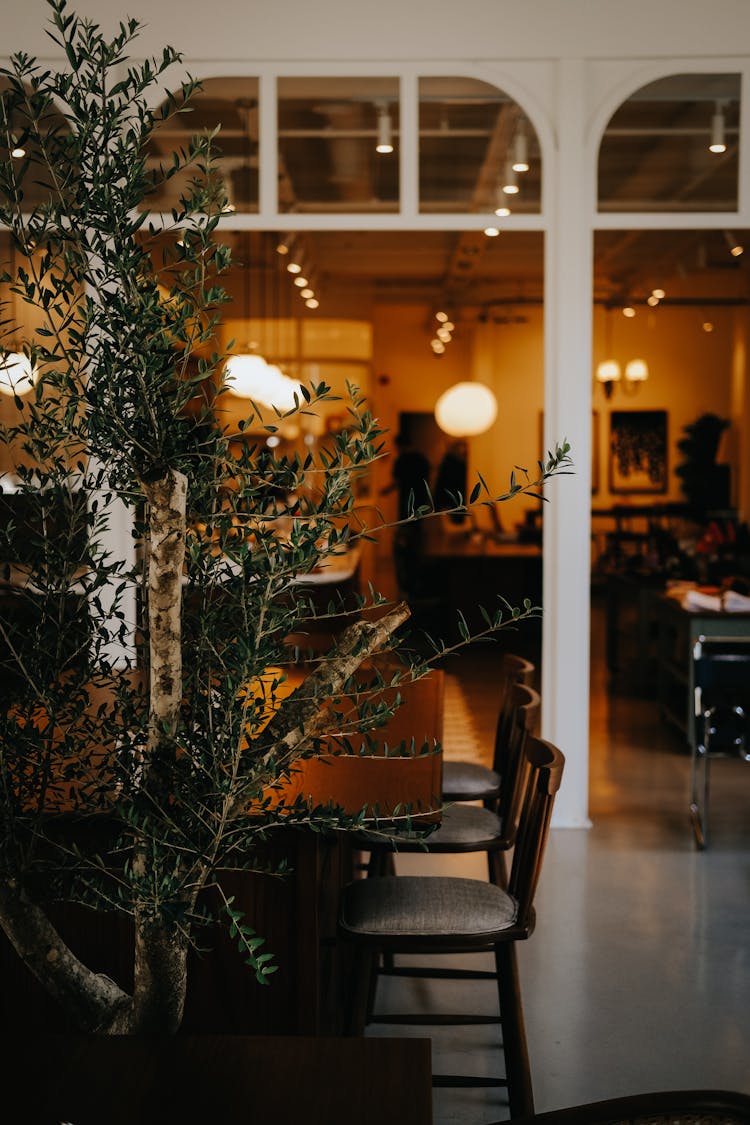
point(663, 1107)
point(470, 781)
point(436, 914)
point(466, 827)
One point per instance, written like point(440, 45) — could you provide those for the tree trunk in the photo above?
point(160, 954)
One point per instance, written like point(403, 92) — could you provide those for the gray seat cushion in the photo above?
point(462, 826)
point(413, 905)
point(468, 781)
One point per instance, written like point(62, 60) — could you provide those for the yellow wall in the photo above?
point(689, 375)
point(409, 377)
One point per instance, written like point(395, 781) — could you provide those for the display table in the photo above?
point(677, 631)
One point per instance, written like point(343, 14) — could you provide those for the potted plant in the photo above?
point(146, 721)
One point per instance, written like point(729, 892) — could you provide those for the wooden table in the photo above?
point(476, 570)
point(199, 1080)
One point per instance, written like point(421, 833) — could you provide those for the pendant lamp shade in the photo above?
point(17, 375)
point(466, 409)
point(249, 376)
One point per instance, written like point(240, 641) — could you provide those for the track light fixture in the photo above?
point(520, 150)
point(510, 184)
point(718, 139)
point(385, 132)
point(735, 248)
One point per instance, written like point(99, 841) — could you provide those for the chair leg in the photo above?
point(515, 1050)
point(698, 799)
point(362, 973)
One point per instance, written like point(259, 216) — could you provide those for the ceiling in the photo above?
point(653, 157)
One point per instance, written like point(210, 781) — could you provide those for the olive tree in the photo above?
point(139, 687)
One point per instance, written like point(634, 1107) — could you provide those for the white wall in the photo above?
point(390, 29)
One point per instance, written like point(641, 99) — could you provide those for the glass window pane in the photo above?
point(232, 105)
point(471, 135)
point(655, 154)
point(338, 145)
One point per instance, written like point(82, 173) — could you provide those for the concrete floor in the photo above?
point(638, 975)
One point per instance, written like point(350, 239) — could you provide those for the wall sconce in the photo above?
point(609, 372)
point(17, 374)
point(466, 409)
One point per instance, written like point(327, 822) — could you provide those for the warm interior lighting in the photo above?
point(300, 281)
point(608, 371)
point(17, 375)
point(628, 311)
point(294, 267)
point(653, 301)
point(659, 294)
point(466, 409)
point(636, 371)
point(307, 293)
point(312, 303)
point(441, 316)
point(18, 152)
point(249, 376)
point(437, 346)
point(510, 184)
point(385, 136)
point(718, 140)
point(491, 232)
point(707, 326)
point(520, 151)
point(735, 248)
point(444, 334)
point(502, 212)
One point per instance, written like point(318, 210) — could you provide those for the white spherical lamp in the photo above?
point(466, 409)
point(17, 375)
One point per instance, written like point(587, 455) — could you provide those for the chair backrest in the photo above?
point(544, 768)
point(517, 715)
point(517, 669)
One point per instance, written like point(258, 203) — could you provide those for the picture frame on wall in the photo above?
point(638, 451)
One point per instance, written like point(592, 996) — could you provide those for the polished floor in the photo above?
point(638, 975)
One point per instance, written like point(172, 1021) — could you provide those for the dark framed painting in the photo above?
point(638, 451)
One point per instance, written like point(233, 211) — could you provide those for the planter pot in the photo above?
point(212, 1080)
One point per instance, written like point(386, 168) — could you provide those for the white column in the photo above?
point(567, 412)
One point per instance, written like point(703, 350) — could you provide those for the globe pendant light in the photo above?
point(17, 375)
point(466, 409)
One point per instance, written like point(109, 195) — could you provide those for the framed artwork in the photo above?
point(595, 455)
point(638, 451)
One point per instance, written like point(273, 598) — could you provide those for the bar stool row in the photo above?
point(504, 811)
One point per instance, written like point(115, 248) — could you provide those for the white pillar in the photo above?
point(567, 412)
